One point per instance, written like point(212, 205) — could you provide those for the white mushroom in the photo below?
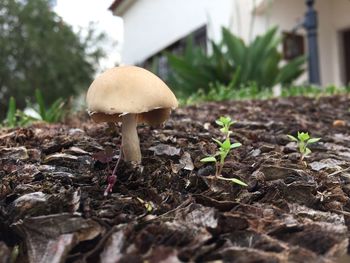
point(131, 95)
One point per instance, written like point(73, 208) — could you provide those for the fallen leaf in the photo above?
point(104, 156)
point(164, 149)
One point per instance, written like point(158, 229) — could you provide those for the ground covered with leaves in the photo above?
point(171, 208)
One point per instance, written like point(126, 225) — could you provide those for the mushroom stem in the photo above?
point(130, 139)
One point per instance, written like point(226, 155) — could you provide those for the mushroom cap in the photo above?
point(130, 90)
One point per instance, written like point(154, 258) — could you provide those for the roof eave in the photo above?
point(119, 7)
point(262, 7)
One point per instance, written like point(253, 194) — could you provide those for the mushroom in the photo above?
point(130, 95)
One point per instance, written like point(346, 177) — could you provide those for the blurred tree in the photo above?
point(38, 50)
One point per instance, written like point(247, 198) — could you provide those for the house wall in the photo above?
point(152, 25)
point(243, 23)
point(333, 17)
point(286, 15)
point(340, 21)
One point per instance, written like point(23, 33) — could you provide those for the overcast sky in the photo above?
point(79, 13)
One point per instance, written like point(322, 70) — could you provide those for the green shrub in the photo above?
point(51, 114)
point(17, 118)
point(220, 92)
point(233, 63)
point(39, 49)
point(10, 120)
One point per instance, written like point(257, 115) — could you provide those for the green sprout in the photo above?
point(224, 149)
point(303, 141)
point(148, 205)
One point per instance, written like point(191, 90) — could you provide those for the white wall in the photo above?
point(243, 23)
point(151, 25)
point(339, 20)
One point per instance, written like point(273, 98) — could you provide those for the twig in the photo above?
point(100, 243)
point(340, 171)
point(7, 135)
point(181, 206)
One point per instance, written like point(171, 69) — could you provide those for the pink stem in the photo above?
point(112, 179)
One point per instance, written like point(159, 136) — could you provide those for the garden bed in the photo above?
point(171, 208)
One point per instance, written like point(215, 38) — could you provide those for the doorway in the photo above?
point(346, 47)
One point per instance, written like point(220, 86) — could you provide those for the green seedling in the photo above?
point(224, 149)
point(303, 141)
point(148, 205)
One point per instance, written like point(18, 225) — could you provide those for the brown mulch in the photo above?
point(170, 208)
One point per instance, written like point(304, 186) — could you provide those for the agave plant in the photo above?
point(233, 62)
point(51, 114)
point(195, 70)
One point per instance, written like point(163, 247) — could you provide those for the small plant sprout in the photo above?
point(148, 205)
point(303, 140)
point(224, 149)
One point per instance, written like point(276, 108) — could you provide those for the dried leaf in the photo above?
point(50, 238)
point(104, 156)
point(164, 149)
point(186, 160)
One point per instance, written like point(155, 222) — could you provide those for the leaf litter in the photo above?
point(171, 208)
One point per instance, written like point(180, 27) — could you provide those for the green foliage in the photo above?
point(17, 118)
point(224, 149)
point(303, 140)
point(10, 120)
point(234, 64)
point(220, 92)
point(51, 114)
point(195, 69)
point(225, 124)
point(314, 91)
point(38, 49)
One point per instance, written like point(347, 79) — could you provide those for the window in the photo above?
point(346, 50)
point(158, 63)
point(293, 45)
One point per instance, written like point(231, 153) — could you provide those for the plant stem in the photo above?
point(120, 157)
point(217, 169)
point(220, 169)
point(113, 178)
